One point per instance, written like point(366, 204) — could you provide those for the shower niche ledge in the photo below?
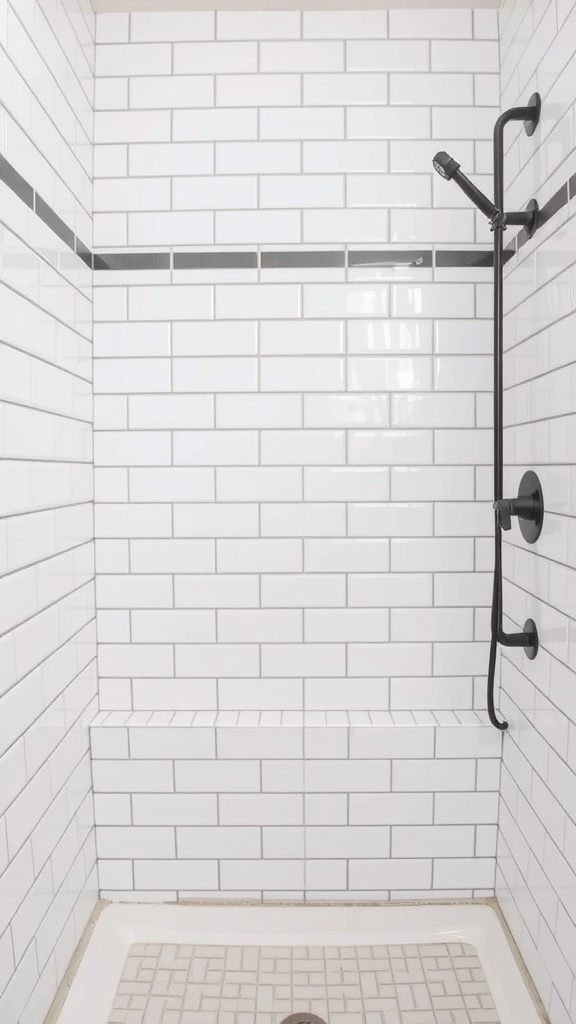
point(286, 734)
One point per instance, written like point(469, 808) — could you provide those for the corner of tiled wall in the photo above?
point(536, 876)
point(48, 683)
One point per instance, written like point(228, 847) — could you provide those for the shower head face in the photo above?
point(445, 165)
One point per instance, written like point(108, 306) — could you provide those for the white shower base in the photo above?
point(94, 987)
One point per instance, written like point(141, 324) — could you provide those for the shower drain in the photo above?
point(303, 1018)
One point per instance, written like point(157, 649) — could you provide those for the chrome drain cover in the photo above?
point(303, 1018)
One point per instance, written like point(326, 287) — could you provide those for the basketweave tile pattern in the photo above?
point(388, 984)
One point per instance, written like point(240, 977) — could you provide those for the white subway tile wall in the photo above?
point(48, 684)
point(288, 452)
point(317, 805)
point(536, 878)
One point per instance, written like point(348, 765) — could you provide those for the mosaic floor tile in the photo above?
point(415, 984)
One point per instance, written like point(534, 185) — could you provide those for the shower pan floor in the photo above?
point(218, 963)
point(435, 983)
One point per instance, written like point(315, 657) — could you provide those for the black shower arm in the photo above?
point(525, 114)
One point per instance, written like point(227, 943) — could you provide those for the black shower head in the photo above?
point(446, 165)
point(449, 169)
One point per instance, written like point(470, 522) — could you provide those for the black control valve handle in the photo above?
point(526, 507)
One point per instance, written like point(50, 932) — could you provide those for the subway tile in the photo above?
point(258, 25)
point(183, 302)
point(215, 374)
point(215, 842)
point(133, 59)
point(391, 808)
point(254, 157)
point(366, 447)
point(302, 447)
point(135, 841)
point(216, 591)
point(303, 590)
point(170, 25)
point(262, 483)
point(259, 555)
point(171, 158)
point(464, 56)
point(346, 484)
point(215, 58)
point(344, 157)
point(213, 519)
point(373, 589)
point(432, 775)
point(392, 190)
point(302, 56)
point(245, 227)
point(385, 659)
point(163, 875)
point(300, 191)
point(351, 300)
point(433, 840)
point(436, 89)
point(430, 25)
point(258, 90)
point(132, 126)
point(349, 624)
point(346, 410)
point(389, 373)
point(371, 24)
point(350, 555)
point(388, 123)
point(171, 92)
point(345, 89)
point(257, 301)
point(160, 626)
point(258, 411)
point(303, 659)
point(350, 841)
point(266, 626)
point(170, 228)
point(214, 193)
point(431, 555)
point(206, 660)
point(302, 123)
point(301, 373)
point(392, 55)
point(346, 226)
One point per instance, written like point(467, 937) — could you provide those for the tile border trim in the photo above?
point(273, 258)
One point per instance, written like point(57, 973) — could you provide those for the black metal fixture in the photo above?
point(529, 505)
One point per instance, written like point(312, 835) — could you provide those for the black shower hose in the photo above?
point(496, 615)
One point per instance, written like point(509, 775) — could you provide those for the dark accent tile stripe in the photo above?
point(558, 200)
point(84, 253)
point(131, 261)
point(303, 259)
point(249, 260)
point(393, 258)
point(47, 214)
point(464, 258)
point(215, 261)
point(9, 175)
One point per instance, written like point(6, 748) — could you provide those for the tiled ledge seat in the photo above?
point(318, 805)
